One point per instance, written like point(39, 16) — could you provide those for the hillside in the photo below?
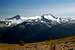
point(66, 43)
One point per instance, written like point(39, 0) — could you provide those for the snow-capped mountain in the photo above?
point(39, 28)
point(47, 19)
point(11, 21)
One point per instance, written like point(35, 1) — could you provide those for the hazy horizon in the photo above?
point(37, 7)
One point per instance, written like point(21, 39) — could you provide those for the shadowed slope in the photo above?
point(32, 32)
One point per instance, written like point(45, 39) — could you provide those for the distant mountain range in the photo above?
point(47, 19)
point(31, 29)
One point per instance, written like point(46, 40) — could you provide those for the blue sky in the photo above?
point(37, 7)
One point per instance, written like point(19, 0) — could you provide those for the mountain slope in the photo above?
point(37, 32)
point(43, 29)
